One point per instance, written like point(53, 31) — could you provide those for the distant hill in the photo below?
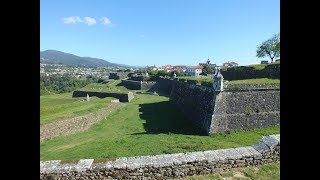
point(58, 57)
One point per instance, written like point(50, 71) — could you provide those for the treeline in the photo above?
point(56, 84)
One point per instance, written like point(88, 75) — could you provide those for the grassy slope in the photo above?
point(61, 106)
point(267, 171)
point(145, 126)
point(254, 81)
point(244, 81)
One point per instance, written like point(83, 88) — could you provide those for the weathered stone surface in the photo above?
point(84, 164)
point(120, 163)
point(276, 136)
point(146, 161)
point(261, 147)
point(195, 156)
point(221, 154)
point(133, 162)
point(49, 166)
point(244, 152)
point(211, 156)
point(109, 165)
point(232, 153)
point(270, 141)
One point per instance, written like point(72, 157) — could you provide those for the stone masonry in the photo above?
point(166, 166)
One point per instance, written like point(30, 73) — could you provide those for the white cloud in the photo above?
point(71, 20)
point(89, 21)
point(105, 21)
point(141, 35)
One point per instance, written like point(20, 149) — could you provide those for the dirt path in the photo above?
point(76, 124)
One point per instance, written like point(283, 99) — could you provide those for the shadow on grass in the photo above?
point(163, 117)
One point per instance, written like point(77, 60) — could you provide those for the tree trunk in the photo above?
point(271, 60)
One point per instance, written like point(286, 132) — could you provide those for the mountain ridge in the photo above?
point(59, 57)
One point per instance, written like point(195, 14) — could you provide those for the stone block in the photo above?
point(211, 156)
point(120, 163)
point(133, 162)
point(49, 166)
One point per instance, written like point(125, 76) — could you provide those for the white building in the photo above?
point(194, 70)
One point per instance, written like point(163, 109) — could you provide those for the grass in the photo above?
point(254, 81)
point(112, 86)
point(244, 81)
point(266, 171)
point(62, 106)
point(148, 125)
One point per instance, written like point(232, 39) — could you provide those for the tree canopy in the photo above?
point(270, 47)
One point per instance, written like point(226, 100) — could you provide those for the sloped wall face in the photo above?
point(196, 102)
point(240, 107)
point(132, 85)
point(246, 110)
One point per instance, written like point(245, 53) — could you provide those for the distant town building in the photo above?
point(277, 60)
point(264, 62)
point(167, 67)
point(152, 68)
point(194, 70)
point(212, 66)
point(230, 64)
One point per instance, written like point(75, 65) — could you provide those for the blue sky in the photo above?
point(159, 32)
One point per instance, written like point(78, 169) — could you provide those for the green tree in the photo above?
point(270, 47)
point(206, 70)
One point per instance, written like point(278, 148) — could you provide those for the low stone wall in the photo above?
point(118, 75)
point(240, 106)
point(132, 85)
point(123, 97)
point(166, 166)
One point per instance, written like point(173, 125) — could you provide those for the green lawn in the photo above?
point(267, 171)
point(254, 81)
point(61, 106)
point(244, 81)
point(148, 125)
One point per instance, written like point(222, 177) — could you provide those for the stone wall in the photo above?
point(147, 85)
point(118, 75)
point(245, 110)
point(166, 166)
point(137, 85)
point(133, 85)
point(123, 97)
point(195, 101)
point(240, 106)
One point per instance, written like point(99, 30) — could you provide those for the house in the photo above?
point(151, 67)
point(229, 64)
point(180, 69)
point(167, 67)
point(194, 70)
point(264, 62)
